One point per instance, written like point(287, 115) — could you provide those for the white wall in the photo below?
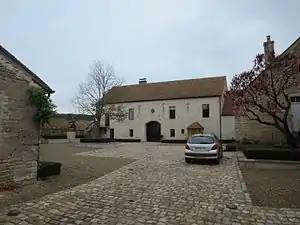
point(228, 127)
point(184, 117)
point(294, 114)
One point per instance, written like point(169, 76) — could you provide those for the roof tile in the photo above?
point(178, 89)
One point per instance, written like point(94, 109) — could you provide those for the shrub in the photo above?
point(272, 154)
point(108, 140)
point(173, 141)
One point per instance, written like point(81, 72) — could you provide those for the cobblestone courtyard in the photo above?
point(158, 188)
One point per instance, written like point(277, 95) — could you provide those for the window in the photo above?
point(295, 99)
point(205, 110)
point(107, 122)
point(172, 132)
point(201, 140)
point(130, 132)
point(131, 114)
point(187, 107)
point(182, 131)
point(172, 113)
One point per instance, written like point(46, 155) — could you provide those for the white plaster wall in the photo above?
point(184, 117)
point(228, 127)
point(294, 114)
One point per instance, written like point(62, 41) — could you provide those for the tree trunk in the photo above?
point(291, 140)
point(290, 137)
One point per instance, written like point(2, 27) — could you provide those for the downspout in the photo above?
point(220, 112)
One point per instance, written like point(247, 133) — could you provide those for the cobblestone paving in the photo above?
point(159, 188)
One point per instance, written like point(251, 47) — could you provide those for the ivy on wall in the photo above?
point(44, 105)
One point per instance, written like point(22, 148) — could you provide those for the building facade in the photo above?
point(18, 132)
point(171, 110)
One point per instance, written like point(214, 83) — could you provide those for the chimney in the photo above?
point(143, 81)
point(269, 49)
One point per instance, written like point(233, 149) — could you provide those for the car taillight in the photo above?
point(214, 147)
point(187, 147)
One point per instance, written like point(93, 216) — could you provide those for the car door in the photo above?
point(220, 148)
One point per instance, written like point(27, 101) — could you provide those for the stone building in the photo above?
point(252, 130)
point(171, 110)
point(18, 132)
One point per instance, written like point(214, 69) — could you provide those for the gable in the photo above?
point(7, 59)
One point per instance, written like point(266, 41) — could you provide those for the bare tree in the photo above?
point(91, 96)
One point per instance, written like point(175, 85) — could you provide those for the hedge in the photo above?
point(62, 136)
point(231, 148)
point(108, 140)
point(272, 154)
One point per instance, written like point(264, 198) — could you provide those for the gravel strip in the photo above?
point(75, 170)
point(273, 187)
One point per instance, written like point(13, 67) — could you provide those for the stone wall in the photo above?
point(252, 130)
point(18, 132)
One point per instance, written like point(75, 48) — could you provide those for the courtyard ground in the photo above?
point(158, 188)
point(75, 170)
point(273, 187)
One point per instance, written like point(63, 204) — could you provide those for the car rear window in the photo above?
point(201, 140)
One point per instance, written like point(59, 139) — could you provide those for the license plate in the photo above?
point(200, 149)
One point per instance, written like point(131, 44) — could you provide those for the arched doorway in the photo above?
point(153, 131)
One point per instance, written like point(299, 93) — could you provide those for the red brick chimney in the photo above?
point(269, 49)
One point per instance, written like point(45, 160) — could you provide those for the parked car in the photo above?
point(203, 146)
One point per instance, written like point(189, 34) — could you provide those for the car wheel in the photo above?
point(188, 160)
point(218, 160)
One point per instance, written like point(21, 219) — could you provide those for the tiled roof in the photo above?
point(227, 106)
point(195, 125)
point(178, 89)
point(80, 125)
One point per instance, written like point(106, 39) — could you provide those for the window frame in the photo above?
point(172, 109)
point(131, 133)
point(172, 131)
point(296, 99)
point(204, 115)
point(106, 120)
point(131, 114)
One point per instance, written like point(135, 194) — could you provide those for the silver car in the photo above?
point(203, 146)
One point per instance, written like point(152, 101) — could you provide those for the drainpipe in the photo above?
point(220, 112)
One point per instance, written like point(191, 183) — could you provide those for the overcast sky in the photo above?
point(157, 39)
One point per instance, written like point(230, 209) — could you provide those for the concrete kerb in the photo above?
point(268, 164)
point(241, 179)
